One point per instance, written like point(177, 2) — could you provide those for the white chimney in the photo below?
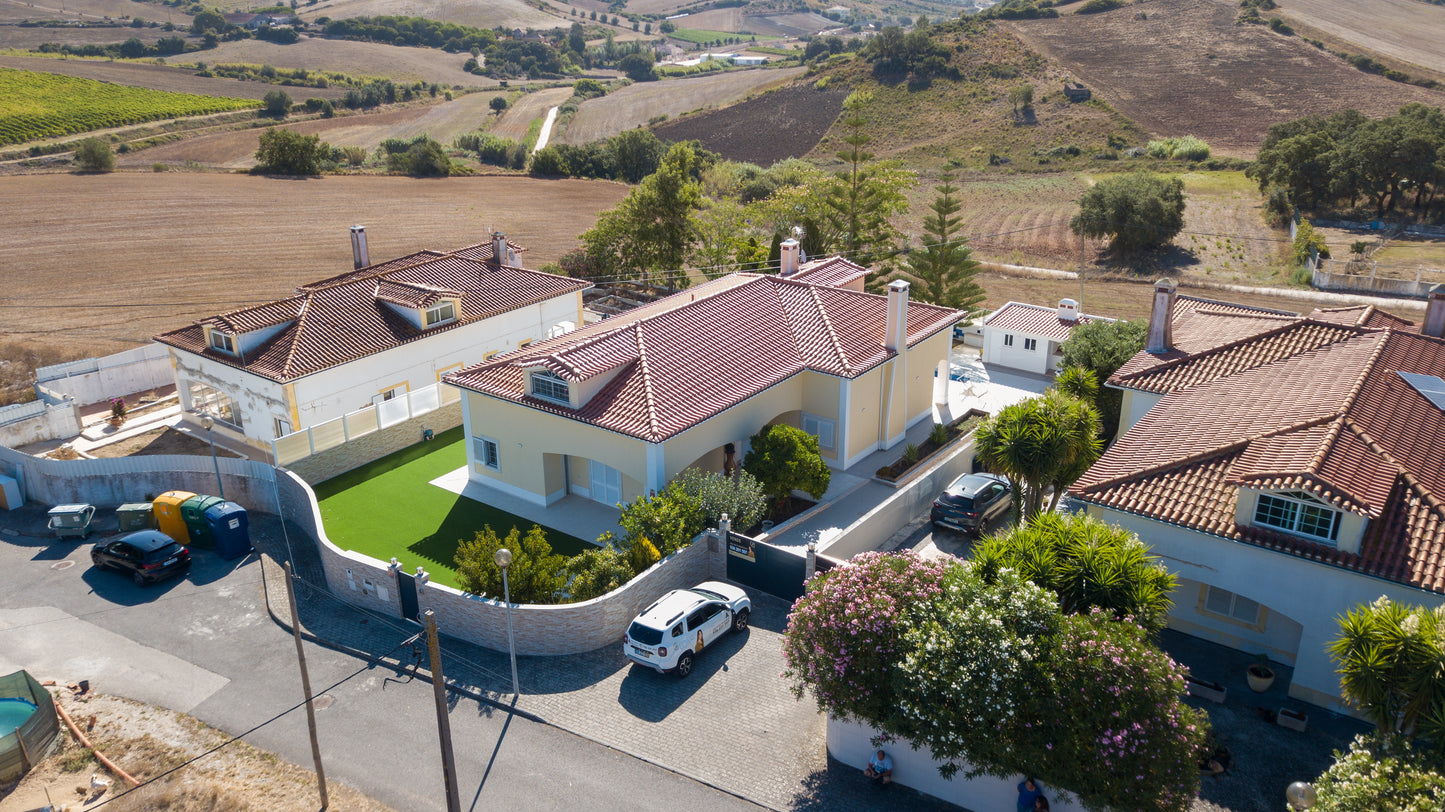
point(1068, 310)
point(895, 330)
point(1161, 318)
point(1434, 324)
point(789, 264)
point(499, 248)
point(359, 256)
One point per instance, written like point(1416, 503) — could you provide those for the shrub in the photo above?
point(354, 155)
point(1278, 208)
point(785, 459)
point(276, 103)
point(910, 454)
point(94, 155)
point(1185, 148)
point(741, 497)
point(1382, 773)
point(938, 435)
point(1097, 6)
point(423, 157)
point(641, 554)
point(596, 573)
point(670, 519)
point(284, 152)
point(1305, 239)
point(535, 574)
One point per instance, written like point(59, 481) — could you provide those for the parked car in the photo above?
point(971, 502)
point(671, 632)
point(148, 555)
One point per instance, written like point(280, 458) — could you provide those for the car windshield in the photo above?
point(645, 635)
point(709, 594)
point(957, 500)
point(164, 552)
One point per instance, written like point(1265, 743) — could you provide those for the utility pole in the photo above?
point(306, 686)
point(444, 722)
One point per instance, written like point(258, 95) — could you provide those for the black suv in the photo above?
point(148, 555)
point(971, 502)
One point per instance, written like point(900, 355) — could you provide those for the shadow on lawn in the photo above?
point(467, 517)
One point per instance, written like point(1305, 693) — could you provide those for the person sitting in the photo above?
point(880, 769)
point(1029, 792)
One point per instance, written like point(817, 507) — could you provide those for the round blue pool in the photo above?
point(14, 713)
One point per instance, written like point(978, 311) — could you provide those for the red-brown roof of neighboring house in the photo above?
point(834, 271)
point(1036, 320)
point(1335, 420)
point(692, 356)
point(348, 317)
point(1362, 316)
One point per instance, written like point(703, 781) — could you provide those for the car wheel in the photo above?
point(684, 665)
point(740, 621)
point(138, 578)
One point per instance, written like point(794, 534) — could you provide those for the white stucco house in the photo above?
point(1027, 337)
point(366, 336)
point(618, 408)
point(1287, 468)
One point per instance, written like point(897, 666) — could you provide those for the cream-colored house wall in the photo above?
point(862, 417)
point(922, 364)
point(524, 435)
point(733, 425)
point(1134, 406)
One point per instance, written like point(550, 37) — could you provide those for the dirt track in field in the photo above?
point(1407, 30)
point(107, 261)
point(1189, 69)
point(525, 110)
point(636, 104)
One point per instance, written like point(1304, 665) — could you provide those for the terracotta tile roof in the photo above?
point(1179, 369)
point(1333, 420)
point(347, 317)
point(834, 271)
point(1036, 320)
point(1363, 316)
point(481, 252)
point(697, 353)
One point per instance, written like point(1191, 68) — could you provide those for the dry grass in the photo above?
point(161, 77)
point(1189, 69)
point(530, 107)
point(20, 357)
point(146, 741)
point(12, 11)
point(346, 56)
point(636, 104)
point(1406, 30)
point(479, 13)
point(111, 260)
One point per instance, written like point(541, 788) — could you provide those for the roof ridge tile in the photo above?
point(654, 426)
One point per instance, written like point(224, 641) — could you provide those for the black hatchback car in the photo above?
point(971, 502)
point(148, 555)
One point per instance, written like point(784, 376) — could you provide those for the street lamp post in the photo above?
point(503, 557)
point(208, 422)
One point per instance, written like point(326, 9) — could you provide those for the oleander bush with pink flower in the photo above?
point(994, 679)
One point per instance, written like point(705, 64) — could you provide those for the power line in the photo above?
point(240, 736)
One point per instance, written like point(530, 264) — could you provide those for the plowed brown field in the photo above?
point(356, 58)
point(479, 13)
point(1188, 69)
point(1407, 30)
point(783, 124)
point(636, 104)
point(104, 262)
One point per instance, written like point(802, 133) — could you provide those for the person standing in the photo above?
point(1029, 792)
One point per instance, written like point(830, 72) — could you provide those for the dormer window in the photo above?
point(549, 386)
point(223, 342)
point(1299, 513)
point(440, 314)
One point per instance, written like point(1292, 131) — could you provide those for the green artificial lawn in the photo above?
point(387, 508)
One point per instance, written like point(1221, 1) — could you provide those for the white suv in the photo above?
point(669, 633)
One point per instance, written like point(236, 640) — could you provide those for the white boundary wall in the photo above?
point(848, 741)
point(93, 380)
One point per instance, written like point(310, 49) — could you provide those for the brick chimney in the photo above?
point(895, 330)
point(1068, 310)
point(1161, 318)
point(359, 257)
point(789, 264)
point(1434, 324)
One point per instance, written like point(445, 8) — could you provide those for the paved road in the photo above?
point(206, 645)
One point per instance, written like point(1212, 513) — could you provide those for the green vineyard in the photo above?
point(44, 105)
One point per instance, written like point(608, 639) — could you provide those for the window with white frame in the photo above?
point(1031, 344)
point(1008, 339)
point(1227, 604)
point(1298, 513)
point(487, 452)
point(546, 384)
point(819, 427)
point(444, 312)
point(223, 342)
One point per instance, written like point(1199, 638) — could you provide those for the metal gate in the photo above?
point(775, 570)
point(406, 590)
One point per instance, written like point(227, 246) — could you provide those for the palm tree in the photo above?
point(1039, 444)
point(1392, 666)
point(1087, 563)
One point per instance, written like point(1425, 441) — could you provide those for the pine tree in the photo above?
point(943, 267)
point(862, 197)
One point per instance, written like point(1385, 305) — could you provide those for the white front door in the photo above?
point(606, 486)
